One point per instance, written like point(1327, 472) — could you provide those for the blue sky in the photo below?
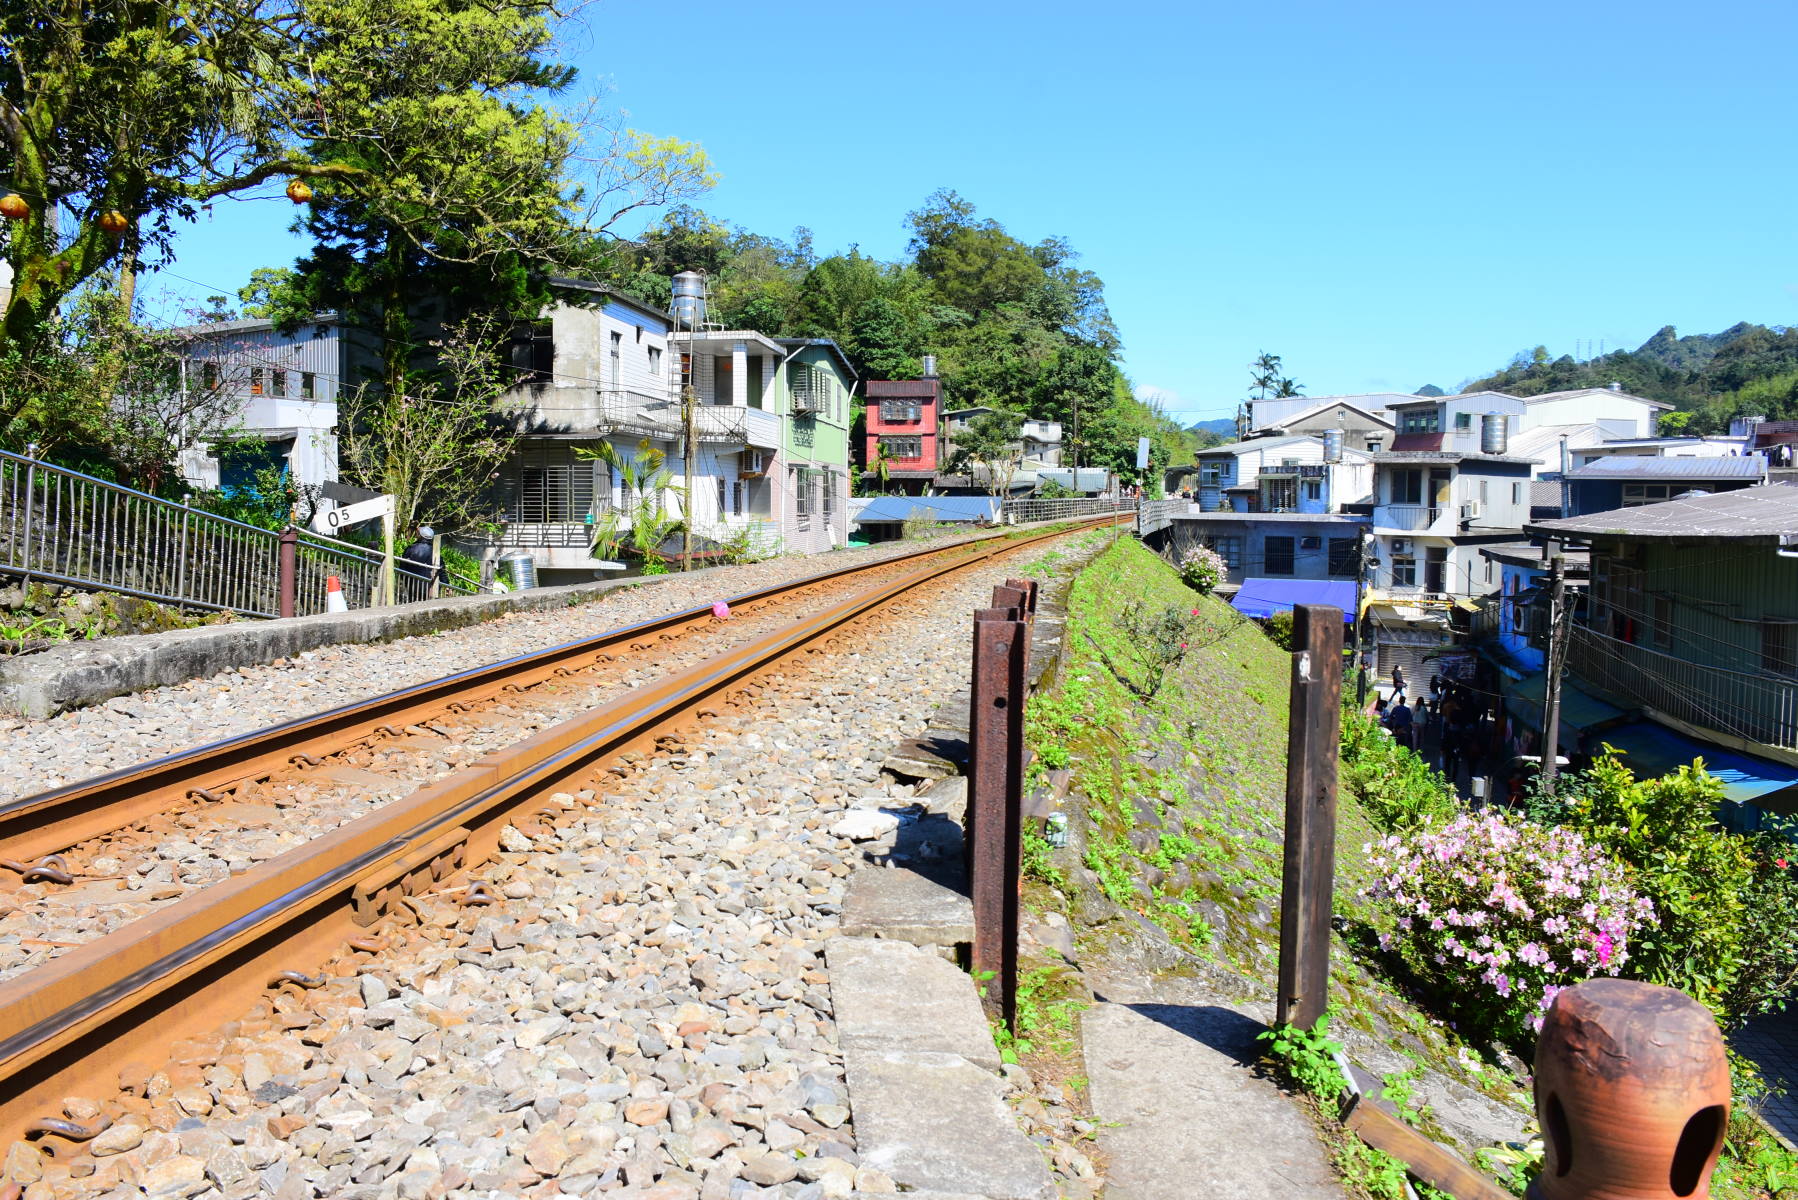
point(1386, 194)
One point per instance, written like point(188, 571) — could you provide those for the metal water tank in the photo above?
point(1332, 445)
point(524, 570)
point(1495, 433)
point(689, 300)
point(930, 366)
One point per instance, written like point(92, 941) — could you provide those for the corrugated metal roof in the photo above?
point(1543, 443)
point(1653, 466)
point(932, 508)
point(1759, 513)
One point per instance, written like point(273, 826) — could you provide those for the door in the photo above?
point(1435, 569)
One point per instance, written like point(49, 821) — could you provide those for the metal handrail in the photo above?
point(61, 526)
point(1756, 707)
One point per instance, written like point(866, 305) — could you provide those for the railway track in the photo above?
point(67, 1025)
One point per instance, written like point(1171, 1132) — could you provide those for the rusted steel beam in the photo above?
point(68, 1026)
point(1028, 587)
point(1308, 868)
point(55, 820)
point(995, 797)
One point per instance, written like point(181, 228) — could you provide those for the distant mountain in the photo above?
point(1745, 369)
point(1223, 427)
point(1429, 389)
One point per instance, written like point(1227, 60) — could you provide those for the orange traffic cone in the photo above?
point(334, 601)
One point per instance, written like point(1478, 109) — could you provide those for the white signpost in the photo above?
point(333, 521)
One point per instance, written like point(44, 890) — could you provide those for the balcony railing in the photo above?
point(1758, 708)
point(747, 426)
point(1413, 517)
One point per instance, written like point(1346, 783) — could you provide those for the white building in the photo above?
point(282, 390)
point(1281, 475)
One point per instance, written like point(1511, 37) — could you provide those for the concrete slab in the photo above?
point(933, 756)
point(1182, 1113)
point(907, 907)
point(892, 995)
point(935, 1122)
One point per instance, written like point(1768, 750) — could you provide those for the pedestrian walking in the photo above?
point(1398, 682)
point(1399, 720)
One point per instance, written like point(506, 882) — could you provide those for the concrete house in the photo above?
point(1281, 474)
point(283, 389)
point(820, 388)
point(1362, 428)
point(904, 418)
point(1630, 481)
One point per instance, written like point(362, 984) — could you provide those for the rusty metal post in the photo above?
point(995, 797)
point(288, 559)
point(1028, 587)
point(1307, 876)
point(1632, 1090)
point(1012, 597)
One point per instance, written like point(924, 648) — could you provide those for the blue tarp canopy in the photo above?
point(1265, 597)
point(1651, 749)
point(930, 508)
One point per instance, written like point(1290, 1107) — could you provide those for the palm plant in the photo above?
point(641, 526)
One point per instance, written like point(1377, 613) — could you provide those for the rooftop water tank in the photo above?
point(689, 300)
point(1495, 434)
point(1332, 445)
point(930, 366)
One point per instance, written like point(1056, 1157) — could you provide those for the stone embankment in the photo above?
point(651, 1013)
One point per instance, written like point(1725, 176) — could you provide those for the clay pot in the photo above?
point(1632, 1091)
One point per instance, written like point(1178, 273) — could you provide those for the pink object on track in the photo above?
point(721, 610)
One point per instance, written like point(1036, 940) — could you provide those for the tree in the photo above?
point(1264, 374)
point(645, 523)
point(436, 443)
point(993, 442)
point(419, 109)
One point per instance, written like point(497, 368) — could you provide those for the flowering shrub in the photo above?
point(1501, 915)
point(1202, 569)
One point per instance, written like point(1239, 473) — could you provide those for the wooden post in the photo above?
point(388, 586)
point(1307, 878)
point(995, 797)
point(1551, 680)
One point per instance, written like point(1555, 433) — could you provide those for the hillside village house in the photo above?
point(1362, 428)
point(903, 429)
point(1693, 623)
point(772, 421)
point(284, 389)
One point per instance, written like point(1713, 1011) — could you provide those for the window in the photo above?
point(1777, 648)
point(903, 448)
point(655, 360)
point(1313, 489)
point(901, 410)
point(1423, 420)
point(1482, 493)
point(1661, 631)
point(548, 484)
point(829, 480)
point(209, 376)
point(308, 390)
point(736, 497)
point(1311, 543)
point(1407, 487)
point(1373, 445)
point(1228, 547)
point(1404, 572)
point(1344, 556)
point(277, 383)
point(531, 352)
point(1213, 474)
point(1277, 553)
point(1463, 421)
point(255, 381)
point(1517, 493)
point(722, 495)
point(802, 493)
point(614, 365)
point(1635, 495)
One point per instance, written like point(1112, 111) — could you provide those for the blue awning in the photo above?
point(1651, 750)
point(1265, 597)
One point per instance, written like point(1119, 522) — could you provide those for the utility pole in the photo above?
point(1074, 442)
point(689, 415)
point(1557, 656)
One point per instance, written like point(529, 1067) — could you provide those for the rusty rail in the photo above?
point(48, 822)
point(68, 1027)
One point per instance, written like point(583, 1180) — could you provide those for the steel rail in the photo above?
point(67, 1027)
point(53, 821)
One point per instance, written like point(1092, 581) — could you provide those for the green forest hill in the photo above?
point(1747, 370)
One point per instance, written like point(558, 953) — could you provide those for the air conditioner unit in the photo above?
point(752, 462)
point(1401, 545)
point(1472, 511)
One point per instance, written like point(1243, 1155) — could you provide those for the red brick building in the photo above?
point(904, 418)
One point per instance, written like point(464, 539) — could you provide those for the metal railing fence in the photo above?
point(61, 526)
point(1758, 708)
point(1019, 512)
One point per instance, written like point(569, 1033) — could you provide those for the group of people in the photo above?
point(1454, 711)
